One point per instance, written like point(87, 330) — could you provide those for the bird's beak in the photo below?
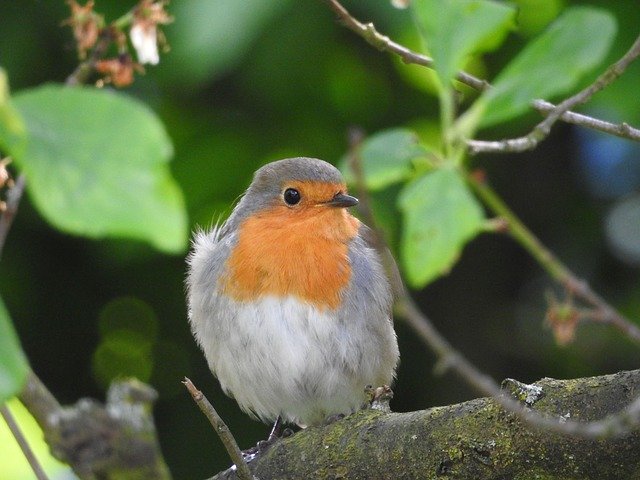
point(342, 200)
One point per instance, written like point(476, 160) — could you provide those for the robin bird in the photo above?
point(288, 299)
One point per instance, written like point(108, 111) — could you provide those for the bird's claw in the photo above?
point(379, 397)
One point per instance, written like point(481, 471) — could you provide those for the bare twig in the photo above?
point(22, 442)
point(450, 359)
point(369, 33)
point(554, 267)
point(383, 43)
point(603, 312)
point(83, 71)
point(13, 201)
point(221, 429)
point(542, 129)
point(356, 136)
point(622, 130)
point(623, 422)
point(39, 401)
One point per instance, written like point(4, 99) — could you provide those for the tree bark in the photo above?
point(474, 440)
point(112, 441)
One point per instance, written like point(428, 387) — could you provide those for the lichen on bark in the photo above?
point(472, 440)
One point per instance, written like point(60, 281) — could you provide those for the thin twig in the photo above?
point(83, 71)
point(221, 429)
point(13, 201)
point(450, 359)
point(552, 264)
point(356, 136)
point(383, 43)
point(622, 130)
point(22, 442)
point(369, 33)
point(558, 271)
point(542, 129)
point(39, 401)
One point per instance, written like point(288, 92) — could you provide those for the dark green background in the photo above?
point(286, 80)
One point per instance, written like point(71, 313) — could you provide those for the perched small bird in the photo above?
point(289, 301)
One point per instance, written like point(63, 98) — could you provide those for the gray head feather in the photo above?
point(269, 180)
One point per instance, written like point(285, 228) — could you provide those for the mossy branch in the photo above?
point(475, 439)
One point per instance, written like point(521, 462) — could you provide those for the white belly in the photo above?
point(283, 357)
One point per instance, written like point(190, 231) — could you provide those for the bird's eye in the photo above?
point(291, 196)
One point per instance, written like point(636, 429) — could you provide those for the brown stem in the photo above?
point(85, 69)
point(13, 201)
point(369, 33)
point(22, 442)
point(383, 43)
point(450, 359)
point(542, 129)
point(622, 130)
point(221, 429)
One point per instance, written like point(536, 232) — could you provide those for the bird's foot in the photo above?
point(260, 447)
point(277, 432)
point(379, 397)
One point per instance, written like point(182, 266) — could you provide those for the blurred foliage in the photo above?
point(13, 364)
point(250, 82)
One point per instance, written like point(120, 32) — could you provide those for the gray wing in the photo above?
point(386, 258)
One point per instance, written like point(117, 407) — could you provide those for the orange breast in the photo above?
point(302, 253)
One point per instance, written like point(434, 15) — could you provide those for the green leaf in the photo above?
point(440, 216)
point(210, 37)
point(453, 29)
point(387, 157)
point(97, 165)
point(552, 64)
point(12, 129)
point(13, 363)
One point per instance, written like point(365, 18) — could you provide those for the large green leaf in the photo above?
point(453, 29)
point(13, 363)
point(440, 217)
point(552, 64)
point(97, 165)
point(387, 157)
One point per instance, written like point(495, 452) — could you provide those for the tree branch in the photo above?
point(622, 130)
point(603, 313)
point(83, 71)
point(221, 429)
point(383, 43)
point(22, 442)
point(450, 359)
point(115, 440)
point(475, 439)
point(369, 33)
point(542, 129)
point(14, 195)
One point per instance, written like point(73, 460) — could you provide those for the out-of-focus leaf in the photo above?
point(13, 363)
point(551, 64)
point(209, 37)
point(12, 130)
point(453, 29)
point(386, 157)
point(535, 15)
point(97, 165)
point(123, 353)
point(440, 217)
